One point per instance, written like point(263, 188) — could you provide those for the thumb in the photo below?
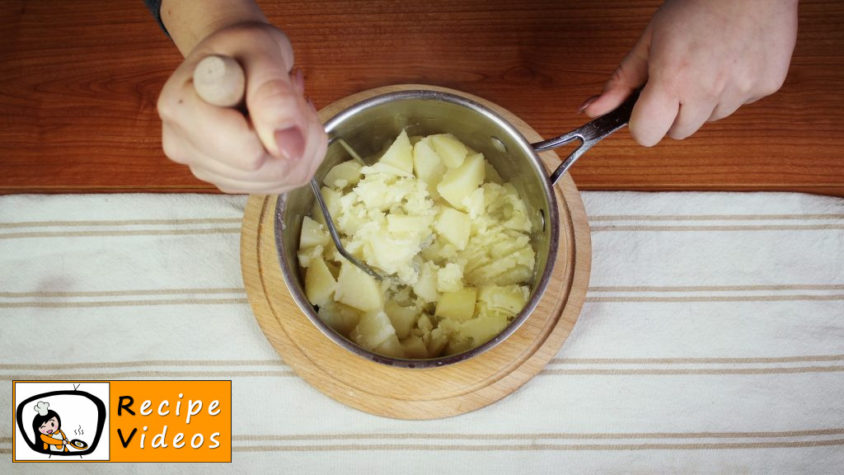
point(277, 108)
point(629, 75)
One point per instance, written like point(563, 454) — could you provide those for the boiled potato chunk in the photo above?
point(450, 149)
point(454, 226)
point(373, 329)
point(342, 318)
point(437, 341)
point(475, 204)
point(399, 156)
point(313, 234)
point(402, 318)
point(308, 254)
point(427, 163)
point(450, 278)
point(414, 347)
point(457, 306)
point(319, 283)
point(424, 324)
point(358, 289)
point(391, 347)
point(404, 225)
point(331, 198)
point(458, 183)
point(482, 329)
point(426, 285)
point(343, 174)
point(503, 301)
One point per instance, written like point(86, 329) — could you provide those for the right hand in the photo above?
point(276, 148)
point(701, 60)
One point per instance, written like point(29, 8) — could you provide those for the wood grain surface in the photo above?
point(79, 82)
point(418, 393)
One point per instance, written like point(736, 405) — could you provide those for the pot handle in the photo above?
point(588, 134)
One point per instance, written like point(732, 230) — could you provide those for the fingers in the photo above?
point(728, 104)
point(215, 131)
point(653, 115)
point(630, 74)
point(276, 146)
point(274, 176)
point(279, 113)
point(690, 118)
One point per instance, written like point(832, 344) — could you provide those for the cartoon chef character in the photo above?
point(48, 425)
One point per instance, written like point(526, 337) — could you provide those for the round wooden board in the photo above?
point(418, 393)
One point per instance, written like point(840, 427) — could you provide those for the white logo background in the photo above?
point(78, 418)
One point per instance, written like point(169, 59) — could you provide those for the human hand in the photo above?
point(276, 147)
point(701, 60)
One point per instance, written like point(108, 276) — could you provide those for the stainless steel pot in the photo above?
point(368, 125)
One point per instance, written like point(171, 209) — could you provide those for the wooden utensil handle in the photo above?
point(219, 80)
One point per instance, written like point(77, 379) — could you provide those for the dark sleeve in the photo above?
point(155, 7)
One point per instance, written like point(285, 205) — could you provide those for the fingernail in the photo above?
point(587, 103)
point(290, 142)
point(297, 78)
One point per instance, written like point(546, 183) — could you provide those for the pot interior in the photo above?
point(372, 125)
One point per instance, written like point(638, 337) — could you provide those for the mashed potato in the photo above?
point(437, 218)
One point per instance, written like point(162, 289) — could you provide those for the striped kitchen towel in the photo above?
point(711, 341)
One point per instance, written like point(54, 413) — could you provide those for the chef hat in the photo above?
point(42, 407)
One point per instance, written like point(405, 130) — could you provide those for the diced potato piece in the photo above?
point(503, 301)
point(373, 329)
point(437, 341)
point(391, 347)
point(343, 174)
point(456, 341)
point(402, 297)
point(454, 226)
point(342, 318)
point(332, 200)
point(358, 289)
point(399, 156)
point(404, 225)
point(474, 204)
point(424, 324)
point(308, 254)
point(395, 260)
point(458, 344)
point(515, 268)
point(402, 318)
point(313, 234)
point(450, 149)
point(427, 164)
point(319, 283)
point(426, 286)
point(458, 183)
point(440, 251)
point(414, 347)
point(482, 329)
point(450, 278)
point(457, 306)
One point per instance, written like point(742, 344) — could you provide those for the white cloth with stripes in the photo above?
point(712, 339)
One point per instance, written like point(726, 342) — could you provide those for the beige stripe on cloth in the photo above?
point(712, 339)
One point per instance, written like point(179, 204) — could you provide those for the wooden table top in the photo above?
point(79, 82)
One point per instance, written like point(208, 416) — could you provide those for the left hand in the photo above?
point(701, 60)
